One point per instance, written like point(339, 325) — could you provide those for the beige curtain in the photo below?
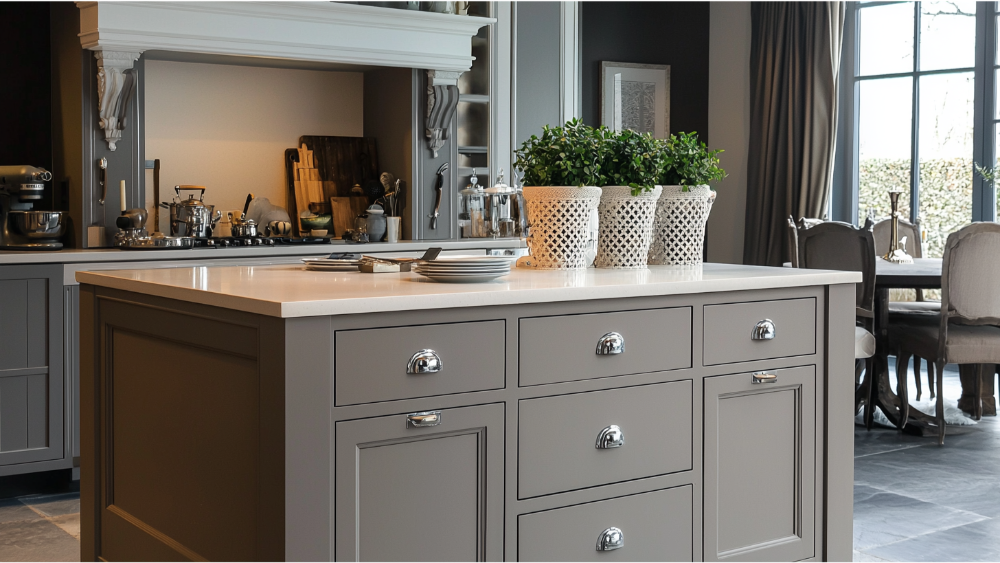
point(794, 62)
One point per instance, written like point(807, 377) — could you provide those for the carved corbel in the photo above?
point(442, 101)
point(115, 88)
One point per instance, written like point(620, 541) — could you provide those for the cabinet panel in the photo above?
point(14, 328)
point(421, 493)
point(564, 348)
point(760, 449)
point(728, 330)
point(557, 437)
point(371, 363)
point(656, 526)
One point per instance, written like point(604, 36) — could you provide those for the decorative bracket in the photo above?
point(442, 101)
point(115, 88)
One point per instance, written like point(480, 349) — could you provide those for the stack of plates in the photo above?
point(331, 264)
point(470, 269)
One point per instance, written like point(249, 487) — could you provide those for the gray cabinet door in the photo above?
point(760, 481)
point(31, 375)
point(421, 493)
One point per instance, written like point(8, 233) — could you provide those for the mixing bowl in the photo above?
point(41, 225)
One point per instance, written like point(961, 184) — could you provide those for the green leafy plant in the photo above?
point(630, 159)
point(688, 162)
point(988, 174)
point(569, 155)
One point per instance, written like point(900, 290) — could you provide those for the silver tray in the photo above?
point(151, 243)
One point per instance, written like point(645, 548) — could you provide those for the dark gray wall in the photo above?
point(536, 68)
point(672, 33)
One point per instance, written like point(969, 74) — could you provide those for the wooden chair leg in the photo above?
point(872, 388)
point(977, 401)
point(902, 369)
point(939, 411)
point(916, 376)
point(930, 377)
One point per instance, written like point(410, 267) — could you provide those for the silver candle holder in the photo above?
point(896, 255)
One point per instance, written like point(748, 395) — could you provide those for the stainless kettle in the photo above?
point(191, 217)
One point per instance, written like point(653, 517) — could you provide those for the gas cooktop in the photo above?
point(229, 242)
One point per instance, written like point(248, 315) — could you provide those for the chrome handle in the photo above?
point(610, 540)
point(763, 330)
point(610, 437)
point(423, 419)
point(611, 343)
point(764, 377)
point(424, 361)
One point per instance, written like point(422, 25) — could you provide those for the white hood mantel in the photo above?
point(119, 32)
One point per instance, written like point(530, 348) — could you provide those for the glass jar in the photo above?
point(472, 210)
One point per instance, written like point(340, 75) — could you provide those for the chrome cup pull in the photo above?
point(423, 419)
point(610, 437)
point(764, 377)
point(763, 330)
point(424, 361)
point(610, 540)
point(611, 343)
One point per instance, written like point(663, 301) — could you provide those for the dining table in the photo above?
point(923, 273)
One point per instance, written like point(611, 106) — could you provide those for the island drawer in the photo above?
point(558, 437)
point(567, 347)
point(759, 330)
point(375, 364)
point(654, 526)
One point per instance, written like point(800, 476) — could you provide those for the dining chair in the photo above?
point(967, 330)
point(899, 309)
point(793, 241)
point(832, 245)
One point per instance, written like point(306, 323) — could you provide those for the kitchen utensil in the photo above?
point(38, 225)
point(156, 194)
point(20, 227)
point(472, 210)
point(332, 265)
point(500, 209)
point(246, 206)
point(392, 227)
point(375, 223)
point(191, 217)
point(244, 228)
point(158, 243)
point(103, 164)
point(279, 228)
point(439, 188)
point(317, 222)
point(224, 228)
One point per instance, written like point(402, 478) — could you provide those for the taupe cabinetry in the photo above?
point(407, 492)
point(32, 381)
point(760, 452)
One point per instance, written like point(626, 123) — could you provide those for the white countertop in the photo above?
point(292, 291)
point(71, 255)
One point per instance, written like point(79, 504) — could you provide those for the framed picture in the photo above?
point(636, 97)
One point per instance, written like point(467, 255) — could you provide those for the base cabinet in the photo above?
point(760, 451)
point(413, 493)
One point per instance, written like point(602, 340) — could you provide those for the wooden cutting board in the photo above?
point(345, 209)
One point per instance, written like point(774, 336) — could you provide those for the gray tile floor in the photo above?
point(40, 528)
point(916, 501)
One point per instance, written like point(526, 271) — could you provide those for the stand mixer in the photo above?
point(22, 228)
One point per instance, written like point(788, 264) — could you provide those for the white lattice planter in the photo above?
point(560, 224)
point(626, 227)
point(679, 231)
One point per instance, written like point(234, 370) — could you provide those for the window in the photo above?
point(915, 85)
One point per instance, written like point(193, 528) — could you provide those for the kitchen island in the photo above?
point(273, 413)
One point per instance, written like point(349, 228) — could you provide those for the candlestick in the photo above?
point(895, 255)
point(123, 195)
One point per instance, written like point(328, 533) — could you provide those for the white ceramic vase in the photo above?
point(626, 227)
point(679, 230)
point(560, 224)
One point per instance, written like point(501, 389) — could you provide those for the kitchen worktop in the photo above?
point(69, 256)
point(291, 291)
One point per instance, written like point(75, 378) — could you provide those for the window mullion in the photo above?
point(915, 121)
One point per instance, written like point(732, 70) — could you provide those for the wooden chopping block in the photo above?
point(359, 204)
point(343, 215)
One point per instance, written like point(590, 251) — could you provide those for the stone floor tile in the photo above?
point(54, 505)
point(13, 510)
point(862, 556)
point(978, 541)
point(885, 518)
point(70, 523)
point(37, 540)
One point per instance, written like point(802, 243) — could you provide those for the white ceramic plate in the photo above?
point(319, 267)
point(456, 278)
point(462, 270)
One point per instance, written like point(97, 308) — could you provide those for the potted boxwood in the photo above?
point(631, 166)
point(561, 174)
point(682, 210)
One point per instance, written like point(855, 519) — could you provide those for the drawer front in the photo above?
point(371, 364)
point(557, 437)
point(729, 330)
point(654, 526)
point(564, 348)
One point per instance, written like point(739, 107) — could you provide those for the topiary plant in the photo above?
point(630, 159)
point(569, 155)
point(688, 162)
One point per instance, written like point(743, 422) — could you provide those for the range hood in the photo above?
point(119, 32)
